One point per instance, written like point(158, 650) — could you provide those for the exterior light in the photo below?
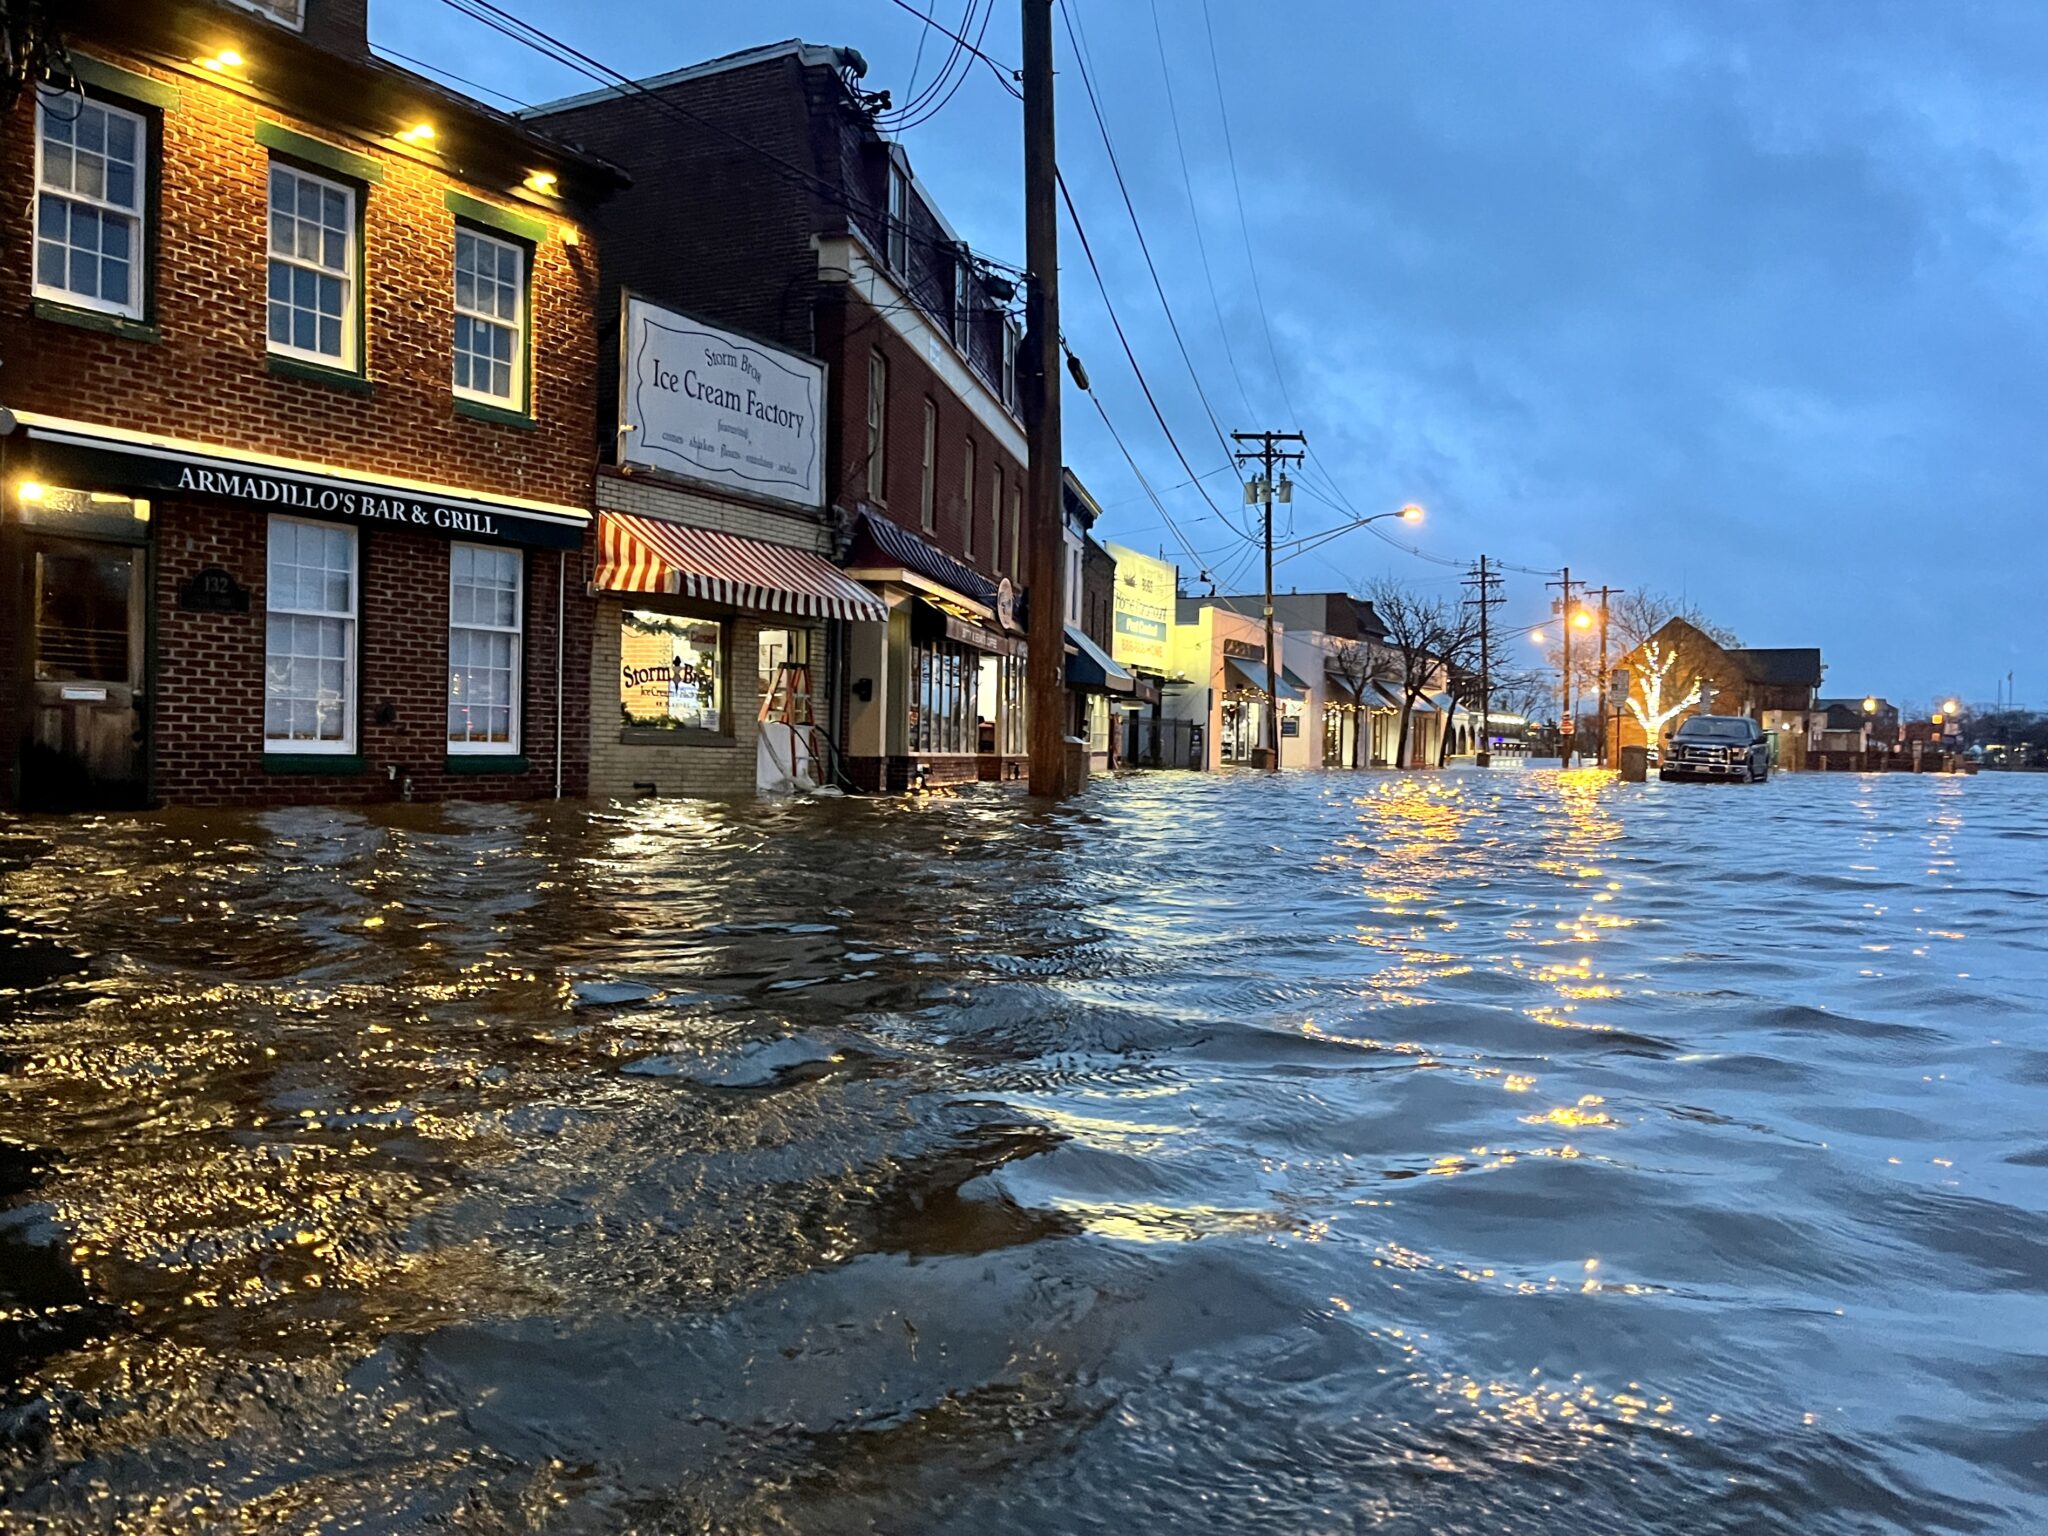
point(540, 181)
point(1582, 620)
point(30, 490)
point(1411, 513)
point(227, 58)
point(1937, 718)
point(1870, 706)
point(419, 133)
point(1535, 637)
point(1951, 707)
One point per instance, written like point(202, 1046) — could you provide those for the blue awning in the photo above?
point(1238, 677)
point(1090, 667)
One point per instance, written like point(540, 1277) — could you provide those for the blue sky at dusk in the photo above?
point(1747, 301)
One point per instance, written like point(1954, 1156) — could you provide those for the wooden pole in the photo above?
point(1046, 670)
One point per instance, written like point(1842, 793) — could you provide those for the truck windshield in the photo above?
point(1714, 730)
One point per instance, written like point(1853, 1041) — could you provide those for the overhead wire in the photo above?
point(505, 23)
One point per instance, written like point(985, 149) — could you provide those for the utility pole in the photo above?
point(1484, 583)
point(1568, 727)
point(1606, 702)
point(1268, 455)
point(1046, 670)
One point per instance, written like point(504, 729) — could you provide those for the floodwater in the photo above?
point(1464, 1153)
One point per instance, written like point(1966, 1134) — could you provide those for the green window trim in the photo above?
point(330, 157)
point(521, 226)
point(487, 762)
point(338, 764)
point(95, 320)
point(314, 373)
point(476, 410)
point(121, 82)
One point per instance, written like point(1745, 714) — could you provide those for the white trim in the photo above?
point(807, 54)
point(515, 397)
point(514, 742)
point(350, 276)
point(269, 13)
point(847, 259)
point(896, 575)
point(350, 663)
point(137, 216)
point(82, 434)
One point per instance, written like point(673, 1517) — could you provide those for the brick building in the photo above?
point(1778, 687)
point(299, 420)
point(767, 206)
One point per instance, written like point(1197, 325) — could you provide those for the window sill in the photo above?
point(95, 320)
point(487, 762)
point(477, 410)
point(655, 737)
point(315, 373)
point(341, 764)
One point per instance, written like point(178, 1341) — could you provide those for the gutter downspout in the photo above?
point(561, 614)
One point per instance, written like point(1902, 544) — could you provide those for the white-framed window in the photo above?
point(312, 267)
point(878, 424)
point(963, 303)
point(928, 482)
point(288, 13)
point(490, 318)
point(91, 185)
point(486, 618)
point(1011, 341)
point(967, 502)
point(899, 221)
point(1074, 585)
point(309, 646)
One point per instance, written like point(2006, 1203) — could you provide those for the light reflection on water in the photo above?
point(1446, 1153)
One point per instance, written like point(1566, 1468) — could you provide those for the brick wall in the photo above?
point(858, 332)
point(208, 378)
point(651, 496)
point(207, 721)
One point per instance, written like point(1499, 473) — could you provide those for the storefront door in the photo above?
point(85, 741)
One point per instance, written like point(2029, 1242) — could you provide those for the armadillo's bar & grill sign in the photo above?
point(72, 453)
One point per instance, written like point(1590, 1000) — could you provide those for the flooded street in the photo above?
point(1510, 1153)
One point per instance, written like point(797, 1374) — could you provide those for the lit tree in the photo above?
point(1359, 665)
point(1652, 673)
point(1427, 637)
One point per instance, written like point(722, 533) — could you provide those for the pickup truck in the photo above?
point(1717, 747)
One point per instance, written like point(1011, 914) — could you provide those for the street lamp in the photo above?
point(1582, 619)
point(1951, 707)
point(1536, 637)
point(1870, 706)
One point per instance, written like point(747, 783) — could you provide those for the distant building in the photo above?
point(1777, 687)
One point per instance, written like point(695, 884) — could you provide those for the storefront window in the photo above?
point(782, 649)
point(484, 616)
point(942, 674)
point(671, 671)
point(309, 690)
point(1016, 735)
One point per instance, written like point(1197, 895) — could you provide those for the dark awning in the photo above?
point(1090, 667)
point(881, 547)
point(1237, 678)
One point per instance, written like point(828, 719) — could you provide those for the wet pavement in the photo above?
point(1510, 1153)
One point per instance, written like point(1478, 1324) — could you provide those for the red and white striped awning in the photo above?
point(649, 554)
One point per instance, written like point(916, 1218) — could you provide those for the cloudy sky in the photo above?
point(1741, 301)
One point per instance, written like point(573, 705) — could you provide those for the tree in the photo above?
point(1656, 662)
point(1359, 665)
point(1427, 635)
point(1633, 617)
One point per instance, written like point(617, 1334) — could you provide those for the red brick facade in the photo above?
point(197, 368)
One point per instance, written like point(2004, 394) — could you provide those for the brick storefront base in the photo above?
point(206, 719)
point(895, 775)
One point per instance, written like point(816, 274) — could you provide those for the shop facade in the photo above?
point(1217, 686)
point(295, 429)
point(719, 611)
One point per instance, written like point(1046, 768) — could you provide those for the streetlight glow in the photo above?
point(1582, 620)
point(1951, 707)
point(1870, 706)
point(1411, 513)
point(1535, 637)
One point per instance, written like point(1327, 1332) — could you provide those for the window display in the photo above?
point(671, 671)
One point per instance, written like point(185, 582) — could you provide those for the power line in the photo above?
point(506, 24)
point(1144, 247)
point(1102, 287)
point(1002, 72)
point(1194, 210)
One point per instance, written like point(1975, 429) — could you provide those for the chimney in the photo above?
point(339, 26)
